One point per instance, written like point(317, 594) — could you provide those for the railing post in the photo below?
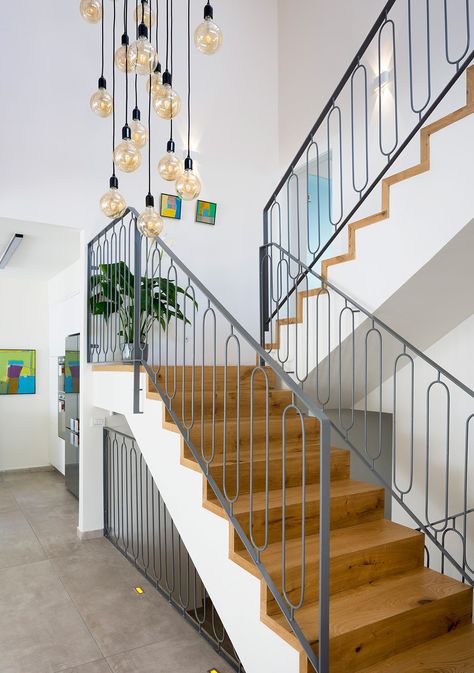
point(105, 467)
point(137, 353)
point(263, 275)
point(88, 302)
point(324, 542)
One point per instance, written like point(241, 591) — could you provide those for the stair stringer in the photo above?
point(236, 593)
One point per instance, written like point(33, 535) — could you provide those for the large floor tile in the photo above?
point(100, 666)
point(120, 619)
point(35, 489)
point(40, 628)
point(18, 543)
point(186, 654)
point(56, 528)
point(96, 566)
point(7, 499)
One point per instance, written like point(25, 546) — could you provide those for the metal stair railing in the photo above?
point(190, 345)
point(347, 360)
point(138, 523)
point(410, 60)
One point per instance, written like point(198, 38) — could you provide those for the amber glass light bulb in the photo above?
point(150, 223)
point(157, 88)
point(112, 203)
point(169, 166)
point(188, 185)
point(145, 15)
point(168, 105)
point(139, 131)
point(91, 10)
point(127, 156)
point(101, 101)
point(122, 54)
point(208, 35)
point(142, 54)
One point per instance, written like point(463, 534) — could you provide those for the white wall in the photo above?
point(65, 317)
point(24, 418)
point(317, 41)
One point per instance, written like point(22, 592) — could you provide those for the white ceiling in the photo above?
point(45, 250)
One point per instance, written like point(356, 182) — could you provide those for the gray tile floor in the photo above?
point(67, 605)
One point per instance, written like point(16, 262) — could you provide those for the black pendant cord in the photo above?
point(189, 79)
point(157, 37)
point(167, 32)
point(136, 30)
point(149, 136)
point(125, 23)
point(114, 21)
point(102, 44)
point(171, 61)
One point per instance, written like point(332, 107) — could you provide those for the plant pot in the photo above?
point(128, 352)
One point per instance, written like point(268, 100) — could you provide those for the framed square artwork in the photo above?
point(206, 212)
point(17, 372)
point(171, 206)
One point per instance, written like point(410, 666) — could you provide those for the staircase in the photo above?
point(384, 601)
point(343, 587)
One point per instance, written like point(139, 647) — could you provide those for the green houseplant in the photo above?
point(112, 292)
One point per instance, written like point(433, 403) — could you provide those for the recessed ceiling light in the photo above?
point(10, 250)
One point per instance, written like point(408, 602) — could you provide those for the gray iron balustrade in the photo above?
point(412, 57)
point(348, 361)
point(138, 523)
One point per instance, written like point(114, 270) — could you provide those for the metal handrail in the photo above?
point(359, 194)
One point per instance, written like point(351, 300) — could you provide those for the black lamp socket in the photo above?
point(149, 201)
point(102, 83)
point(143, 31)
point(167, 79)
point(208, 11)
point(170, 146)
point(113, 182)
point(188, 164)
point(126, 132)
point(136, 116)
point(125, 40)
point(158, 67)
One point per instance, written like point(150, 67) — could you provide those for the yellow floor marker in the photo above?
point(139, 590)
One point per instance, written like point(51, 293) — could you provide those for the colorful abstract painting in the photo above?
point(171, 206)
point(17, 372)
point(71, 372)
point(206, 212)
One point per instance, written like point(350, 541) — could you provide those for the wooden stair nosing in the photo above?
point(371, 623)
point(451, 653)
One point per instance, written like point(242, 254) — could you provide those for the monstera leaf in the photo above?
point(112, 292)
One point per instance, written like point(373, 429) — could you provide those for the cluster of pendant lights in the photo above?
point(140, 58)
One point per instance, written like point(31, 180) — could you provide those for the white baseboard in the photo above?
point(89, 534)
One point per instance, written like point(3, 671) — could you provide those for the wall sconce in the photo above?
point(382, 81)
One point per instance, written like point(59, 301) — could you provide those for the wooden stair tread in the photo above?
point(451, 653)
point(343, 487)
point(293, 450)
point(344, 541)
point(383, 599)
